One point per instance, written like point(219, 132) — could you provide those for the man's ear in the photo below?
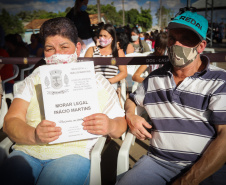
point(78, 48)
point(201, 46)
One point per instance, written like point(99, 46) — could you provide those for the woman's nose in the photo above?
point(57, 51)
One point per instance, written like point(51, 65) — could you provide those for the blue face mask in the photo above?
point(83, 8)
point(141, 38)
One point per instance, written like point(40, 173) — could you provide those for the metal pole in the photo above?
point(123, 13)
point(160, 15)
point(98, 11)
point(211, 32)
point(188, 3)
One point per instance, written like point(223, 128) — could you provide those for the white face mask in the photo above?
point(105, 42)
point(134, 37)
point(61, 58)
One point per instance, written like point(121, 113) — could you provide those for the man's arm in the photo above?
point(212, 160)
point(136, 123)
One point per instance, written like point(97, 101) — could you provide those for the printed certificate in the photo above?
point(69, 94)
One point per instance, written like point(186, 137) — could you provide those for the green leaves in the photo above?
point(11, 23)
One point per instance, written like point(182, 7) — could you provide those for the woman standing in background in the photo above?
point(80, 18)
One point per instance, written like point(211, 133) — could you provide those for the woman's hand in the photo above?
point(46, 132)
point(98, 124)
point(138, 126)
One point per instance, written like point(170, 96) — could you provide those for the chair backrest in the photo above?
point(15, 74)
point(131, 69)
point(3, 110)
point(26, 69)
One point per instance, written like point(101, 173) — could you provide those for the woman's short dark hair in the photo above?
point(123, 40)
point(111, 30)
point(59, 26)
point(161, 44)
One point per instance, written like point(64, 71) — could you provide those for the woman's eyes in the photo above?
point(49, 49)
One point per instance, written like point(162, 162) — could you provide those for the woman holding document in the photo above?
point(34, 160)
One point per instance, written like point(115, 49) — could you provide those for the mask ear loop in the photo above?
point(195, 48)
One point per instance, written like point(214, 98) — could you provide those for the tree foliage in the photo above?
point(92, 9)
point(144, 19)
point(111, 14)
point(166, 15)
point(11, 23)
point(131, 16)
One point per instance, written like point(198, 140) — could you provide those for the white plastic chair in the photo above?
point(131, 69)
point(95, 169)
point(123, 155)
point(15, 74)
point(25, 69)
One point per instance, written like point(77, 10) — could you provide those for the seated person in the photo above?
point(35, 47)
point(140, 46)
point(160, 50)
point(6, 71)
point(123, 43)
point(185, 100)
point(1, 92)
point(33, 160)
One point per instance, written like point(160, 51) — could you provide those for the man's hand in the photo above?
point(46, 132)
point(138, 126)
point(98, 124)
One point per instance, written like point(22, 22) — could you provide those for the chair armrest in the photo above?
point(5, 144)
point(25, 69)
point(95, 169)
point(3, 110)
point(123, 91)
point(123, 156)
point(15, 74)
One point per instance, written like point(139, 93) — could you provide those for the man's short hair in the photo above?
point(192, 21)
point(59, 26)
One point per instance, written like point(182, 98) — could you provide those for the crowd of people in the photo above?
point(184, 100)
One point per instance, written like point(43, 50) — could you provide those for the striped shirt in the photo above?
point(183, 116)
point(108, 71)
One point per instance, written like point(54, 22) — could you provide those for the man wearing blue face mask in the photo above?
point(81, 20)
point(185, 100)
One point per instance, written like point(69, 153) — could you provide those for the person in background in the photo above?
point(148, 40)
point(20, 40)
point(35, 47)
point(81, 20)
point(140, 29)
point(15, 49)
point(6, 71)
point(153, 38)
point(123, 43)
point(185, 100)
point(221, 32)
point(160, 50)
point(108, 48)
point(35, 161)
point(141, 35)
point(1, 92)
point(139, 45)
